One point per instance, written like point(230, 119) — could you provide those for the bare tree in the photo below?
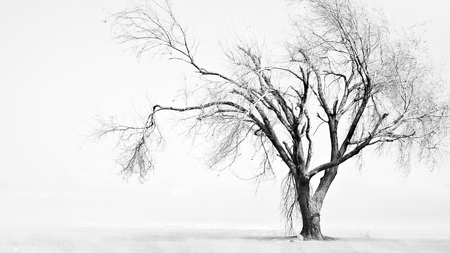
point(343, 71)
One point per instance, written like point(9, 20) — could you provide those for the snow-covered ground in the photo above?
point(191, 239)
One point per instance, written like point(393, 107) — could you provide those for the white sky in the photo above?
point(58, 68)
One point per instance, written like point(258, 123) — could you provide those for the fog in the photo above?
point(59, 69)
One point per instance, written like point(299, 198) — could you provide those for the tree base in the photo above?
point(322, 238)
point(301, 238)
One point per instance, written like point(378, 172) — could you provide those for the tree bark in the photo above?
point(310, 214)
point(324, 186)
point(311, 206)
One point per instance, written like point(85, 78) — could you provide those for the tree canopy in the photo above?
point(343, 70)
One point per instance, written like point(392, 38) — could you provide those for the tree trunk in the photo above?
point(324, 186)
point(310, 214)
point(311, 206)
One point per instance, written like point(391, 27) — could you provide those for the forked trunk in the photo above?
point(310, 214)
point(310, 206)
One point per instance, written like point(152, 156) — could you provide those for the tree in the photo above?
point(344, 76)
